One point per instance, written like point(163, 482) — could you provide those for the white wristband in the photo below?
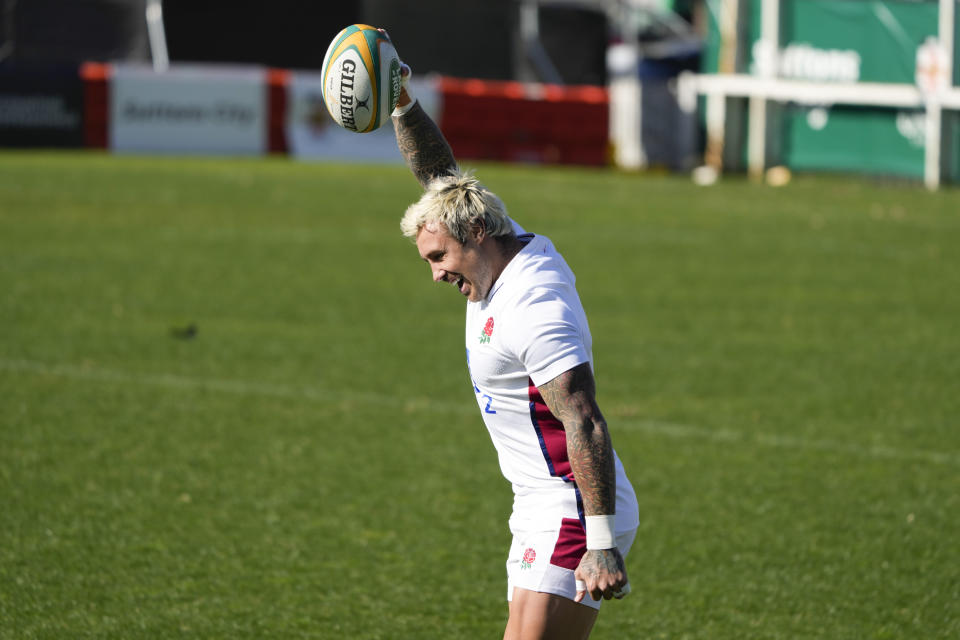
point(601, 532)
point(399, 111)
point(405, 81)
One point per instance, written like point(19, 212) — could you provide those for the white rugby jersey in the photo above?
point(530, 329)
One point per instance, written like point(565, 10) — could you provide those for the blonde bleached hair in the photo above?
point(458, 202)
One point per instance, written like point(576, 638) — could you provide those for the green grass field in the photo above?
point(780, 369)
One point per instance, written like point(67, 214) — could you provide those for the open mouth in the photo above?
point(457, 281)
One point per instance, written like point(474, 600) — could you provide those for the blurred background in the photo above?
point(759, 86)
point(466, 39)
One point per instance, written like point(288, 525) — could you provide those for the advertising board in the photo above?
point(187, 109)
point(41, 107)
point(312, 133)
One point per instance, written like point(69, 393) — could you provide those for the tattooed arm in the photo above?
point(421, 143)
point(571, 399)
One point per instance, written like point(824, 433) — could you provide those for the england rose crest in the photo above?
point(487, 331)
point(529, 557)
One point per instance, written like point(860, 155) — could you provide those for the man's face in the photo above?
point(465, 266)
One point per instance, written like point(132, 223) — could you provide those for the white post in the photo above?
point(945, 31)
point(756, 136)
point(716, 124)
point(931, 161)
point(768, 69)
point(726, 64)
point(157, 35)
point(934, 133)
point(626, 101)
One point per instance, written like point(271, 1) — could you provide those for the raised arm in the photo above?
point(421, 142)
point(571, 398)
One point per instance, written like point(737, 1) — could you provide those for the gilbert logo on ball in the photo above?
point(361, 78)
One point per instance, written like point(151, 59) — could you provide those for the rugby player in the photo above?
point(529, 357)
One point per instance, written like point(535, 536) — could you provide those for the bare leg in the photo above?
point(544, 616)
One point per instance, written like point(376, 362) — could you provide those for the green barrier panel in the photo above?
point(883, 36)
point(851, 41)
point(951, 127)
point(846, 41)
point(874, 140)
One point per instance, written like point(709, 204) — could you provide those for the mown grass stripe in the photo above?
point(651, 427)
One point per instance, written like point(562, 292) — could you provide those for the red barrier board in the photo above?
point(516, 122)
point(96, 103)
point(486, 120)
point(278, 82)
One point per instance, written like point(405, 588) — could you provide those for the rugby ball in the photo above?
point(361, 78)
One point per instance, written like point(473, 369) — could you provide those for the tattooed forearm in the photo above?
point(423, 146)
point(571, 398)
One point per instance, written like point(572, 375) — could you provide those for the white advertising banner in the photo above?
point(188, 109)
point(312, 133)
